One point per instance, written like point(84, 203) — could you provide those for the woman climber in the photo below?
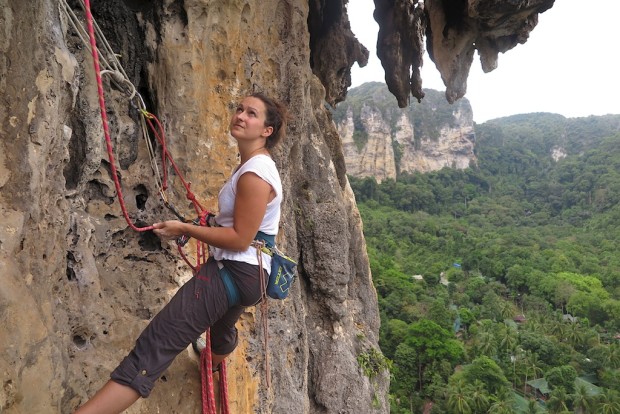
point(249, 202)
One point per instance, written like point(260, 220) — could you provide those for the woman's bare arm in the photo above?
point(253, 194)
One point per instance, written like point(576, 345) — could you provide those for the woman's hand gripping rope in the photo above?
point(174, 229)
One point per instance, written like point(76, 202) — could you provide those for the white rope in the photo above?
point(81, 31)
point(114, 69)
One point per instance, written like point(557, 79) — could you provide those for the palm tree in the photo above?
point(506, 310)
point(592, 338)
point(518, 365)
point(613, 356)
point(533, 407)
point(532, 367)
point(557, 328)
point(582, 401)
point(479, 397)
point(608, 402)
point(486, 343)
point(504, 402)
point(508, 338)
point(575, 335)
point(610, 355)
point(458, 398)
point(558, 400)
point(534, 323)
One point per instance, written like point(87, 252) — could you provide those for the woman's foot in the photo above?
point(199, 344)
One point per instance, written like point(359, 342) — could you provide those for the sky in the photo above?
point(570, 64)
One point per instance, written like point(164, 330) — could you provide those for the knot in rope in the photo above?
point(119, 78)
point(190, 195)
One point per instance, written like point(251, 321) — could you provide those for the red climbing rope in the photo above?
point(166, 157)
point(201, 252)
point(208, 396)
point(104, 119)
point(158, 132)
point(206, 362)
point(206, 366)
point(223, 389)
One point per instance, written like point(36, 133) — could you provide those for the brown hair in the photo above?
point(276, 117)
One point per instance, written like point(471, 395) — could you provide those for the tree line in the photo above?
point(507, 272)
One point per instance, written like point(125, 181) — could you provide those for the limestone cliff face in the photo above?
point(383, 141)
point(78, 285)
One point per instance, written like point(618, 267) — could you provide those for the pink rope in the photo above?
point(161, 138)
point(206, 365)
point(223, 389)
point(104, 119)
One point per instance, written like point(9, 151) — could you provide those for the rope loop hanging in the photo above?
point(104, 121)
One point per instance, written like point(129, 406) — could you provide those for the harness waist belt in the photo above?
point(232, 293)
point(269, 239)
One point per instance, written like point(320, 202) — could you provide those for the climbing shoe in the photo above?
point(199, 344)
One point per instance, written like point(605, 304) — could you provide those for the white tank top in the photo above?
point(264, 167)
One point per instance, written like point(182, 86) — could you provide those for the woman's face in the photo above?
point(248, 121)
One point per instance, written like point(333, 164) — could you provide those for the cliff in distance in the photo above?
point(78, 284)
point(381, 140)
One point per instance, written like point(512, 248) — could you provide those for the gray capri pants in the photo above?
point(199, 304)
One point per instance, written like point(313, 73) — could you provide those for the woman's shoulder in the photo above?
point(264, 167)
point(261, 165)
point(260, 161)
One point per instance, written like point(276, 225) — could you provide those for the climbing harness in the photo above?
point(148, 121)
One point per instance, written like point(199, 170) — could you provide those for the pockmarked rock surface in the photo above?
point(78, 284)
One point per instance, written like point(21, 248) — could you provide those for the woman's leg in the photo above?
point(113, 398)
point(195, 307)
point(224, 334)
point(216, 359)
